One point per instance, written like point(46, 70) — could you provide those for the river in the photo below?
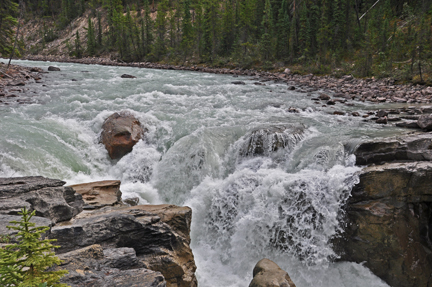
point(282, 205)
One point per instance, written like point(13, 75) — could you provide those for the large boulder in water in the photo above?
point(120, 132)
point(268, 274)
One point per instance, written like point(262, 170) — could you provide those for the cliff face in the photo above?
point(133, 244)
point(389, 215)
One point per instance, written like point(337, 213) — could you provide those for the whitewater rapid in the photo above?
point(283, 205)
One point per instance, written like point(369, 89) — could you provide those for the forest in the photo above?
point(384, 38)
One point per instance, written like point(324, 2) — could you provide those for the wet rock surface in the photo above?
point(267, 273)
point(389, 214)
point(120, 132)
point(268, 140)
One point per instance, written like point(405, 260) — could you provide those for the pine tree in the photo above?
point(187, 30)
point(159, 48)
point(24, 264)
point(282, 30)
point(7, 23)
point(99, 35)
point(267, 37)
point(78, 50)
point(147, 28)
point(91, 41)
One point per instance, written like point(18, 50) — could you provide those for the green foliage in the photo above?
point(91, 40)
point(24, 264)
point(8, 11)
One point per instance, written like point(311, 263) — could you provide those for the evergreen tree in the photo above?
point(267, 37)
point(159, 48)
point(91, 41)
point(78, 49)
point(99, 35)
point(187, 30)
point(24, 263)
point(283, 30)
point(8, 9)
point(147, 29)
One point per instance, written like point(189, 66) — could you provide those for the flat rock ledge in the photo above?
point(110, 244)
point(389, 216)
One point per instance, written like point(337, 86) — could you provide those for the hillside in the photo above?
point(384, 38)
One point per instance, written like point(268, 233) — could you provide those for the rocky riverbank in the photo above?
point(348, 87)
point(13, 81)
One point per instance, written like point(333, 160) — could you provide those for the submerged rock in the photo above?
point(53, 69)
point(268, 274)
point(120, 132)
point(99, 194)
point(268, 140)
point(47, 196)
point(126, 76)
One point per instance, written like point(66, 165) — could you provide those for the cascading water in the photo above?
point(261, 181)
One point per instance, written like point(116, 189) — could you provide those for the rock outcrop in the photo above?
point(158, 234)
point(94, 266)
point(99, 194)
point(144, 245)
point(389, 216)
point(48, 197)
point(268, 274)
point(413, 147)
point(120, 132)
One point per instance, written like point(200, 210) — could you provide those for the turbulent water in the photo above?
point(210, 145)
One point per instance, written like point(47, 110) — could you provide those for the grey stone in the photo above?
point(47, 196)
point(93, 266)
point(158, 234)
point(413, 147)
point(53, 69)
point(425, 122)
point(5, 220)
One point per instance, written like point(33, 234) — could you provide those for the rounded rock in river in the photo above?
point(120, 132)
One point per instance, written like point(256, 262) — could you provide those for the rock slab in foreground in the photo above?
point(100, 193)
point(120, 132)
point(268, 274)
point(390, 223)
point(47, 196)
point(159, 234)
point(93, 266)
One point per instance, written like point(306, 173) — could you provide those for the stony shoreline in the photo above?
point(348, 87)
point(12, 82)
